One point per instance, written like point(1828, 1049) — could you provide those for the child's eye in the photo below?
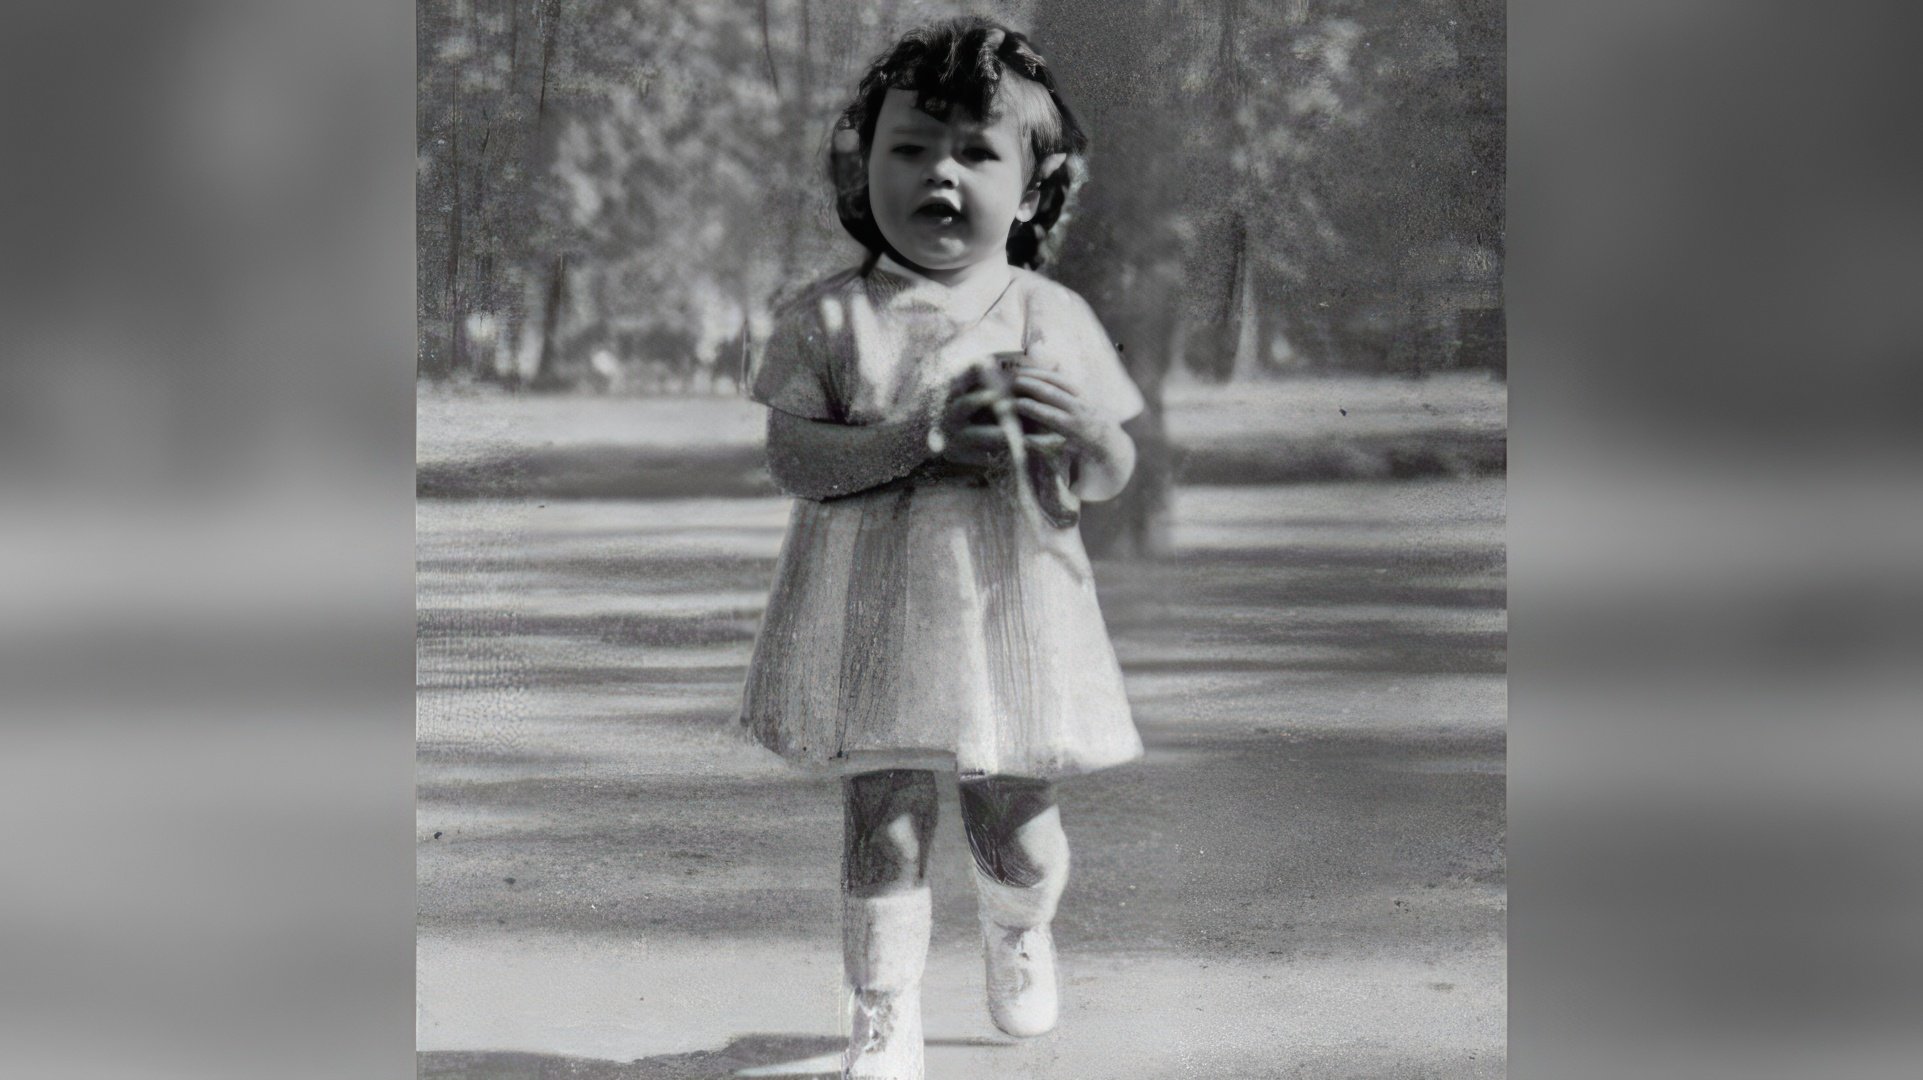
point(906, 150)
point(982, 153)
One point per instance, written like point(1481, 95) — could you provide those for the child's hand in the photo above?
point(1100, 455)
point(1051, 406)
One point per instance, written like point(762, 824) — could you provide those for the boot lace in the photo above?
point(874, 1019)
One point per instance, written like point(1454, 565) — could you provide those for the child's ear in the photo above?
point(1031, 202)
point(1032, 198)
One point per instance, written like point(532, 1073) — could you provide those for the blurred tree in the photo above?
point(638, 176)
point(1308, 180)
point(482, 71)
point(1124, 242)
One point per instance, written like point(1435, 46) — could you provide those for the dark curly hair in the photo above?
point(985, 69)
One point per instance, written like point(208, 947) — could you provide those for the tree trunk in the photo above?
point(1118, 254)
point(1136, 523)
point(1246, 360)
point(547, 375)
point(797, 107)
point(768, 50)
point(456, 308)
point(513, 42)
point(550, 21)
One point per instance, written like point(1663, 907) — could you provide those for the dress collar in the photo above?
point(977, 292)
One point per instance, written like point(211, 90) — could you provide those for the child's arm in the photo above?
point(821, 459)
point(1105, 453)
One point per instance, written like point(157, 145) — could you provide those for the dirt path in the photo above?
point(1304, 877)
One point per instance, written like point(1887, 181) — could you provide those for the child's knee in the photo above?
point(1024, 873)
point(890, 817)
point(1015, 832)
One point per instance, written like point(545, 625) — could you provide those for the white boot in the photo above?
point(884, 949)
point(1019, 949)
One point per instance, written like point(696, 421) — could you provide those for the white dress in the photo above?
point(932, 623)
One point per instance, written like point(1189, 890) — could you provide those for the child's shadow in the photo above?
point(804, 1057)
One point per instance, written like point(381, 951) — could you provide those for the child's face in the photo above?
point(945, 193)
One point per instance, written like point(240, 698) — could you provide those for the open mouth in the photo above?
point(939, 213)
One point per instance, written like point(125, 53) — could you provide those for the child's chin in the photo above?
point(932, 252)
point(942, 256)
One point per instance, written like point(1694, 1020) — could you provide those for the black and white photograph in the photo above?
point(961, 540)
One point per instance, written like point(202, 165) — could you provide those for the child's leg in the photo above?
point(1014, 829)
point(1021, 856)
point(889, 819)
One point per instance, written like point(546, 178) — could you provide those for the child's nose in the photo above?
point(942, 172)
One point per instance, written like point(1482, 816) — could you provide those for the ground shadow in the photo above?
point(767, 1054)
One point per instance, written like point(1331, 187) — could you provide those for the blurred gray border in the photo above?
point(211, 851)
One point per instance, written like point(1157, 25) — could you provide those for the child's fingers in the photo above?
point(1045, 443)
point(1049, 393)
point(965, 405)
point(1063, 382)
point(976, 399)
point(982, 434)
point(978, 444)
point(1053, 418)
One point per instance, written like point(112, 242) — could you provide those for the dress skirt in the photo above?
point(930, 624)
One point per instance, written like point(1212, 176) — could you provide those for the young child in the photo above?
point(939, 413)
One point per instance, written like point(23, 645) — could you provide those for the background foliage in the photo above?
point(611, 191)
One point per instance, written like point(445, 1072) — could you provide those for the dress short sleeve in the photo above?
point(795, 372)
point(1065, 334)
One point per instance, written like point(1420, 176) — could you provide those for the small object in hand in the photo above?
point(1000, 377)
point(1048, 472)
